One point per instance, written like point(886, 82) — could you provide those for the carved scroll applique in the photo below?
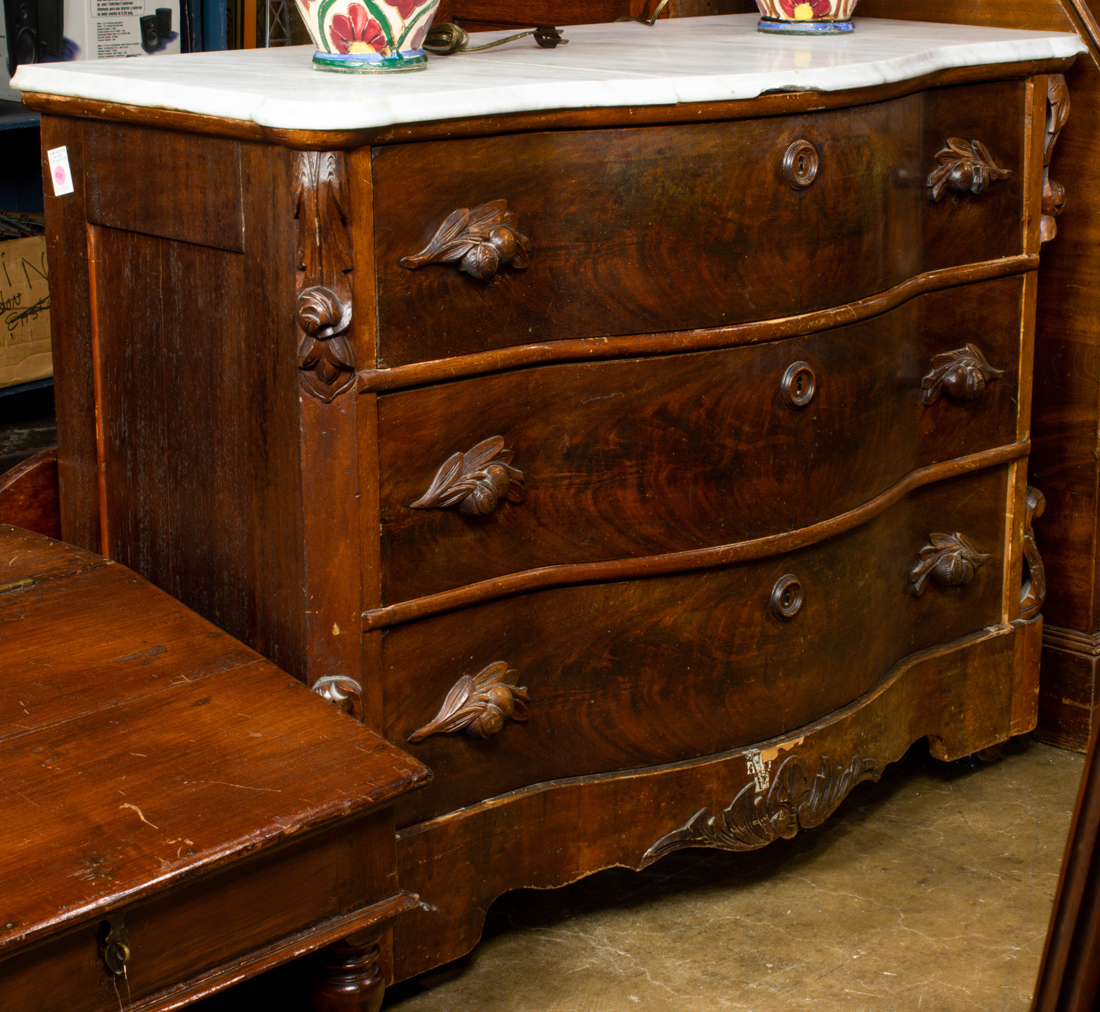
point(476, 480)
point(344, 692)
point(962, 166)
point(478, 705)
point(962, 373)
point(755, 818)
point(1054, 194)
point(949, 559)
point(481, 241)
point(326, 361)
point(1034, 590)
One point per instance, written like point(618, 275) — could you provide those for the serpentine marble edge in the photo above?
point(678, 60)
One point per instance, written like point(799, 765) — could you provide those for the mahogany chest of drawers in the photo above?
point(652, 473)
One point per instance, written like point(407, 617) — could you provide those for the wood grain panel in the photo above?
point(735, 242)
point(28, 494)
point(189, 187)
point(74, 352)
point(647, 456)
point(630, 674)
point(957, 695)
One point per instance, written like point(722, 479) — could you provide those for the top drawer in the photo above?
point(651, 229)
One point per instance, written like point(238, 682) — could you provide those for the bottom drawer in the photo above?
point(636, 673)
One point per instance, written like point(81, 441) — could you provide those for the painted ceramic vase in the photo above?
point(806, 17)
point(368, 36)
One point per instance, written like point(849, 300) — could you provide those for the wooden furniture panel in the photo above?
point(655, 455)
point(736, 241)
point(610, 696)
point(146, 807)
point(150, 203)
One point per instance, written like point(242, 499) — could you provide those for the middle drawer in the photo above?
point(644, 456)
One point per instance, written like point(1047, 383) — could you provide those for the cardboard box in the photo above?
point(24, 312)
point(103, 29)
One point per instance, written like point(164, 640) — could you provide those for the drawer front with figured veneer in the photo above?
point(646, 456)
point(614, 676)
point(500, 241)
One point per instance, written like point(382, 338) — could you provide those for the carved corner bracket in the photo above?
point(480, 242)
point(1054, 194)
point(476, 481)
point(478, 705)
point(964, 166)
point(794, 800)
point(949, 559)
point(1034, 590)
point(962, 373)
point(344, 692)
point(326, 361)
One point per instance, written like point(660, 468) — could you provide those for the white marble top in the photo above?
point(677, 60)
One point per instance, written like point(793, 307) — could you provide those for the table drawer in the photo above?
point(679, 227)
point(630, 674)
point(645, 456)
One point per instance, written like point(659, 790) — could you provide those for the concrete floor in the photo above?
point(929, 891)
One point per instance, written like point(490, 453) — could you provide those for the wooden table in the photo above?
point(178, 814)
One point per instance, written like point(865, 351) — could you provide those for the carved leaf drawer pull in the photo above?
point(476, 480)
point(1034, 590)
point(479, 705)
point(762, 811)
point(481, 241)
point(344, 692)
point(962, 166)
point(949, 559)
point(962, 373)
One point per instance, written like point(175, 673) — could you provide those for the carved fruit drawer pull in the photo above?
point(481, 241)
point(949, 559)
point(476, 480)
point(964, 165)
point(479, 705)
point(962, 373)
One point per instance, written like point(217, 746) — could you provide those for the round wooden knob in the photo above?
point(786, 597)
point(800, 164)
point(798, 384)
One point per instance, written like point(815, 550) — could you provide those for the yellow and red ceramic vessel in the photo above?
point(368, 36)
point(806, 17)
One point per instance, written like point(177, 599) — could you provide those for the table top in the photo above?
point(613, 65)
point(140, 745)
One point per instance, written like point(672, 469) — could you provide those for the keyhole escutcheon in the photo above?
point(786, 597)
point(800, 164)
point(798, 384)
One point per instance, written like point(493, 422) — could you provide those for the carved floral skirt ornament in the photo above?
point(356, 36)
point(806, 17)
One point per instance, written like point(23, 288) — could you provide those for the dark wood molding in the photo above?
point(476, 481)
point(964, 167)
point(326, 361)
point(478, 705)
point(596, 348)
point(1071, 640)
point(1034, 589)
point(682, 562)
point(962, 373)
point(478, 242)
point(1054, 194)
point(948, 559)
point(760, 814)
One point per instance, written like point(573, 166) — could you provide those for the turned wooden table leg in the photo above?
point(350, 978)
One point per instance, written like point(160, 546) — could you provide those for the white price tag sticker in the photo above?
point(59, 171)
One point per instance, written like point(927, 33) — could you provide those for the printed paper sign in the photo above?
point(59, 171)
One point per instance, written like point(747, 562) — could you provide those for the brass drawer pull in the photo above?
point(786, 597)
point(480, 241)
point(479, 705)
point(949, 559)
point(798, 384)
point(476, 481)
point(800, 164)
point(964, 166)
point(962, 373)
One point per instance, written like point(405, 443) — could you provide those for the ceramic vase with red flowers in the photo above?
point(806, 17)
point(368, 36)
